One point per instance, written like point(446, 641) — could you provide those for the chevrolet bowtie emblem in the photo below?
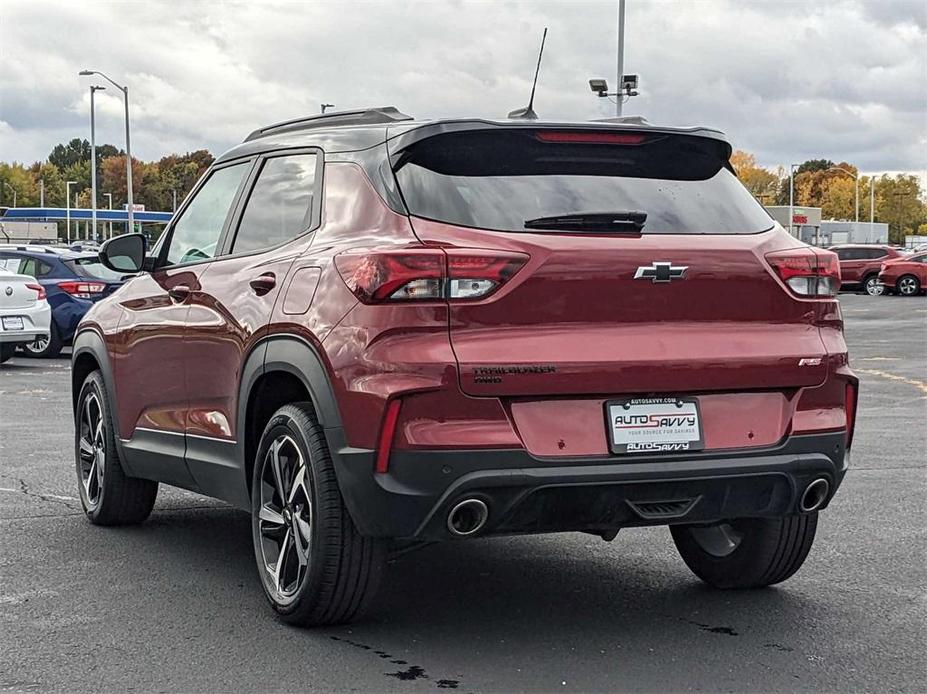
point(661, 272)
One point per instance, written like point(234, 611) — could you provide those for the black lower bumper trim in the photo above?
point(527, 494)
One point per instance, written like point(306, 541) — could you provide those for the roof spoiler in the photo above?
point(623, 120)
point(380, 114)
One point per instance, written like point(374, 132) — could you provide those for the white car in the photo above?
point(24, 312)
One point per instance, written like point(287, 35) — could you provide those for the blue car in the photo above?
point(73, 281)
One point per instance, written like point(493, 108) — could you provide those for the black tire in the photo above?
point(110, 498)
point(908, 285)
point(768, 551)
point(6, 351)
point(872, 286)
point(337, 571)
point(42, 349)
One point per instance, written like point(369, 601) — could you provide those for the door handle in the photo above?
point(263, 283)
point(179, 292)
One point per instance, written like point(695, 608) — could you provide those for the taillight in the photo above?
point(807, 272)
point(82, 290)
point(426, 274)
point(37, 288)
point(850, 408)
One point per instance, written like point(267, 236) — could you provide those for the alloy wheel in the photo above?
point(718, 540)
point(874, 287)
point(38, 345)
point(907, 286)
point(92, 445)
point(285, 518)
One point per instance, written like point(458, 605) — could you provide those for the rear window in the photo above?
point(501, 179)
point(91, 268)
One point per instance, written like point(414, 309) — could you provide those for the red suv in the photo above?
point(367, 329)
point(905, 275)
point(859, 266)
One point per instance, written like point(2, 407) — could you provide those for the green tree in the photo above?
point(813, 165)
point(65, 155)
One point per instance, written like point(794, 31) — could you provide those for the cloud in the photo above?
point(788, 81)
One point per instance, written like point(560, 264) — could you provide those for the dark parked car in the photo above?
point(859, 265)
point(906, 275)
point(368, 329)
point(73, 281)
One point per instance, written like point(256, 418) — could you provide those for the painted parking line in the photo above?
point(920, 385)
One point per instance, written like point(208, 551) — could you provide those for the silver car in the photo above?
point(24, 312)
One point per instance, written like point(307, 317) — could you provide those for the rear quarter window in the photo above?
point(92, 268)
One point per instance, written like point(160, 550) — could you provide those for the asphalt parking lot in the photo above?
point(175, 604)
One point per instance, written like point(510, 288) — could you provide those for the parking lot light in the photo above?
point(93, 163)
point(125, 95)
point(854, 175)
point(67, 201)
point(14, 192)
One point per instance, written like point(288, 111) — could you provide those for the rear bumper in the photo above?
point(35, 319)
point(526, 494)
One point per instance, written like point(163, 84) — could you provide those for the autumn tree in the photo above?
point(759, 181)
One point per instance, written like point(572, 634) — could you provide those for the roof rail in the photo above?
point(380, 114)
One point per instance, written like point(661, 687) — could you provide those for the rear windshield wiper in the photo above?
point(623, 220)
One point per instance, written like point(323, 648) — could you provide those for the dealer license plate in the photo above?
point(647, 425)
point(12, 323)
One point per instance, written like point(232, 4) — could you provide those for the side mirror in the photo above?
point(124, 253)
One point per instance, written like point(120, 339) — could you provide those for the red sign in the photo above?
point(799, 219)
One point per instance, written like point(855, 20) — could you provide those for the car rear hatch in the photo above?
point(17, 292)
point(644, 270)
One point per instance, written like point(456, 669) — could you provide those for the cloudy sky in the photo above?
point(788, 81)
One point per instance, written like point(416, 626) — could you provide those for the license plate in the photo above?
point(12, 323)
point(647, 425)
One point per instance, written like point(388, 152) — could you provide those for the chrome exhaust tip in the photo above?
point(467, 517)
point(814, 496)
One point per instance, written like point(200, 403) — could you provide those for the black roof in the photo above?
point(351, 131)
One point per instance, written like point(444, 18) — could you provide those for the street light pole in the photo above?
point(14, 192)
point(125, 95)
point(93, 163)
point(620, 56)
point(67, 201)
point(792, 197)
point(109, 196)
point(856, 176)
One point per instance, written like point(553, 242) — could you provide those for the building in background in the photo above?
point(805, 224)
point(28, 232)
point(836, 232)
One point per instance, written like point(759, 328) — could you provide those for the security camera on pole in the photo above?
point(627, 84)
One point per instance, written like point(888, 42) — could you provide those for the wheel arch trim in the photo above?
point(89, 341)
point(294, 355)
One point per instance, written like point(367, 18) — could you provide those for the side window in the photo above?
point(195, 235)
point(853, 254)
point(44, 269)
point(873, 253)
point(9, 264)
point(28, 266)
point(841, 253)
point(280, 205)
